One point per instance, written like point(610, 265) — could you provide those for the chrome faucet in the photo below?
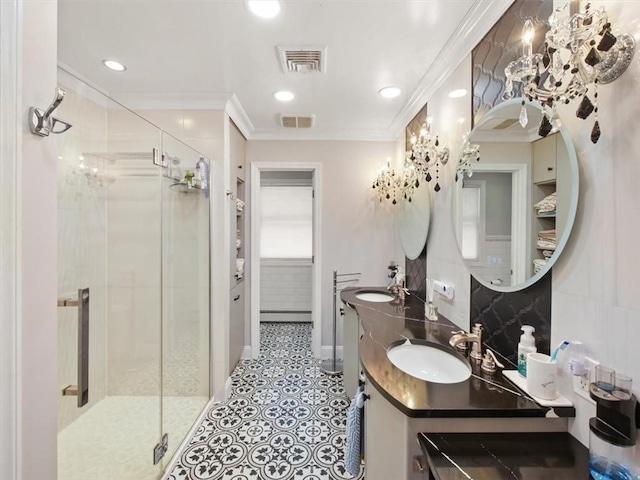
point(461, 337)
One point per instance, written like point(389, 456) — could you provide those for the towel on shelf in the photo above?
point(546, 205)
point(546, 244)
point(354, 422)
point(239, 205)
point(538, 264)
point(548, 254)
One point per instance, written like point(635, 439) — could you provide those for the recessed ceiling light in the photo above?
point(114, 65)
point(389, 92)
point(461, 92)
point(264, 8)
point(284, 96)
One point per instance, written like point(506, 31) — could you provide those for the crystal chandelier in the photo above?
point(470, 153)
point(580, 52)
point(426, 153)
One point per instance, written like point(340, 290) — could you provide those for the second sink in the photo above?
point(374, 296)
point(429, 362)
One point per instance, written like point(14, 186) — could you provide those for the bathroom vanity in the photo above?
point(401, 406)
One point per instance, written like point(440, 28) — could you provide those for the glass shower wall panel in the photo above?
point(185, 289)
point(109, 240)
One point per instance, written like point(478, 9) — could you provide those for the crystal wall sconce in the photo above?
point(470, 153)
point(580, 53)
point(426, 153)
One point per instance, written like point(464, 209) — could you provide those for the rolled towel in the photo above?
point(352, 446)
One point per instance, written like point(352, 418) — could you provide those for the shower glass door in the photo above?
point(134, 289)
point(185, 289)
point(109, 241)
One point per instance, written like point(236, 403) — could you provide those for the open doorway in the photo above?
point(284, 228)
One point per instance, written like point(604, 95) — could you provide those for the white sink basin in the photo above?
point(372, 296)
point(429, 363)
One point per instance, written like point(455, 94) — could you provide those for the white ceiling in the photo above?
point(189, 53)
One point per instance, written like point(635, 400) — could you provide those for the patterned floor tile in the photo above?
point(285, 418)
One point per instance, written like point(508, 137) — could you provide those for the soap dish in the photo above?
point(519, 381)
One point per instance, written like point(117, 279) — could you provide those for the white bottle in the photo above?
point(527, 345)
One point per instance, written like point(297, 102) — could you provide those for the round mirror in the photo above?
point(412, 220)
point(513, 209)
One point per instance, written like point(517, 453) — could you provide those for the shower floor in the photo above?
point(115, 439)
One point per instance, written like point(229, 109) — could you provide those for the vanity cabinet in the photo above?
point(351, 359)
point(239, 248)
point(391, 442)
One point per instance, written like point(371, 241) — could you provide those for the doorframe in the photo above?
point(10, 153)
point(520, 194)
point(316, 315)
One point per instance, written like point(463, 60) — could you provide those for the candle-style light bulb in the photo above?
point(528, 32)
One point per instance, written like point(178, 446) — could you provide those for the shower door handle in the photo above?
point(81, 389)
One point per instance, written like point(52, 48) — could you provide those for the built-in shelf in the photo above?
point(546, 216)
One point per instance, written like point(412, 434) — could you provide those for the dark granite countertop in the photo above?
point(505, 456)
point(482, 395)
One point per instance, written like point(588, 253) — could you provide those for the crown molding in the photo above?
point(315, 134)
point(480, 18)
point(175, 101)
point(239, 116)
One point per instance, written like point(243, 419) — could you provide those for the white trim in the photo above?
point(10, 155)
point(185, 441)
point(326, 352)
point(246, 353)
point(239, 116)
point(343, 134)
point(316, 315)
point(175, 101)
point(480, 18)
point(519, 238)
point(227, 389)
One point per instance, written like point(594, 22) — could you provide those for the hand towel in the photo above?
point(354, 421)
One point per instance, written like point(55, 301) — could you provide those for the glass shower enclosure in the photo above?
point(134, 290)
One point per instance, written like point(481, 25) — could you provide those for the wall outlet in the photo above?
point(581, 382)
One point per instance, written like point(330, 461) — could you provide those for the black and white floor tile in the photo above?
point(285, 418)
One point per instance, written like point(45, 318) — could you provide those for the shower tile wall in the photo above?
point(82, 212)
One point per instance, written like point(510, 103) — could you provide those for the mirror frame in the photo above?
point(572, 210)
point(410, 220)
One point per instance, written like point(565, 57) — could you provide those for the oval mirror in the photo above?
point(514, 209)
point(412, 220)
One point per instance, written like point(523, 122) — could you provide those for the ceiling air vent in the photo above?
point(303, 59)
point(297, 121)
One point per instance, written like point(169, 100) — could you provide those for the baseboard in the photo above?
point(246, 353)
point(185, 441)
point(227, 389)
point(326, 352)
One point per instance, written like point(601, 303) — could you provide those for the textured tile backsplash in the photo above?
point(417, 274)
point(502, 314)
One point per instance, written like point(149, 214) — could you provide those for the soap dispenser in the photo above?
point(527, 345)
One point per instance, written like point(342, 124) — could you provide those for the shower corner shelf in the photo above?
point(183, 187)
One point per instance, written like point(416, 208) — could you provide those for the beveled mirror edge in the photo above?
point(572, 211)
point(412, 255)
